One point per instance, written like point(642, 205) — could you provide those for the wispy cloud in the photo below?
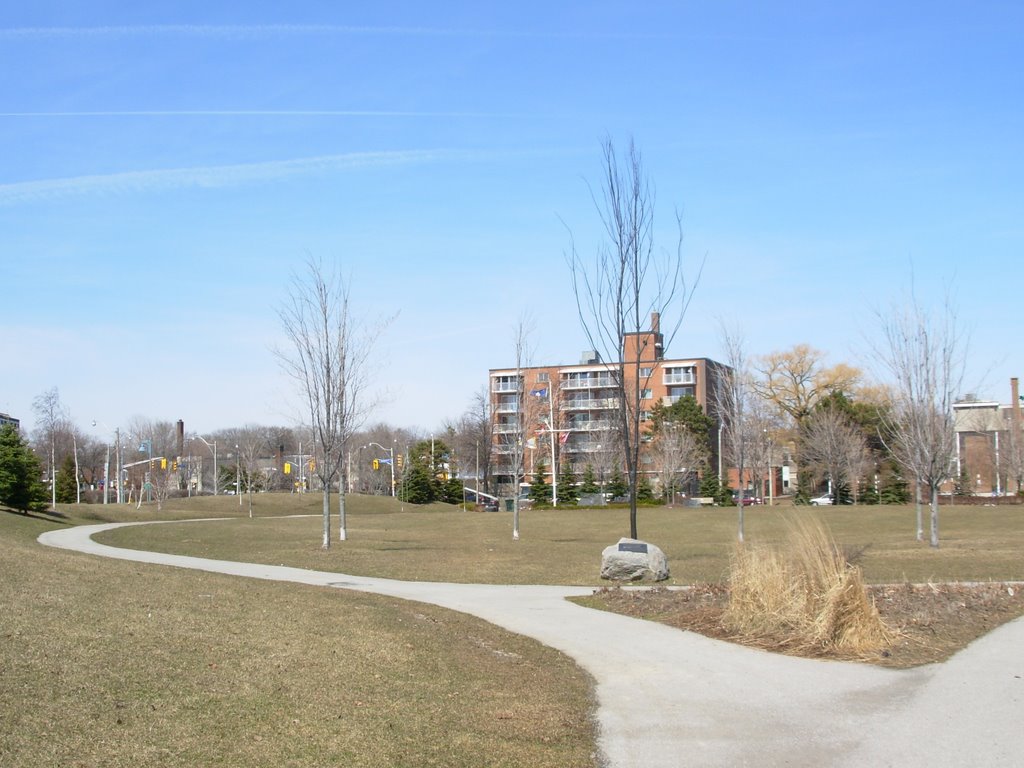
point(255, 113)
point(225, 31)
point(216, 176)
point(263, 31)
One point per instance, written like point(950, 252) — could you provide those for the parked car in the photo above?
point(822, 501)
point(748, 499)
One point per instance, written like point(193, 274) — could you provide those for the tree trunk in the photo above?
point(342, 530)
point(326, 544)
point(935, 517)
point(920, 516)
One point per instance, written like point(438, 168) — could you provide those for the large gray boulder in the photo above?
point(633, 560)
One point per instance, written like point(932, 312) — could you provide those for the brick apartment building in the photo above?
point(571, 409)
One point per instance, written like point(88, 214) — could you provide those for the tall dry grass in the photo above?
point(804, 594)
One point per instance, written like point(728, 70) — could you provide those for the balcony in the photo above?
point(590, 426)
point(583, 448)
point(506, 429)
point(589, 404)
point(683, 377)
point(506, 408)
point(506, 386)
point(588, 382)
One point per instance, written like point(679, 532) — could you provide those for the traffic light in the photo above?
point(399, 459)
point(287, 467)
point(163, 463)
point(376, 464)
point(174, 466)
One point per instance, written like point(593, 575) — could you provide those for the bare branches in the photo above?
point(329, 361)
point(624, 283)
point(924, 355)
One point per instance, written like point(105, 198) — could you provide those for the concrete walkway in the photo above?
point(672, 698)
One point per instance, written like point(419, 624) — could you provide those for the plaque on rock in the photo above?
point(633, 546)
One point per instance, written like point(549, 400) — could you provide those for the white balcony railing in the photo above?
point(590, 426)
point(687, 377)
point(587, 382)
point(589, 404)
point(505, 386)
point(506, 408)
point(506, 429)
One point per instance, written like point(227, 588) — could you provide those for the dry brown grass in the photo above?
point(805, 592)
point(117, 664)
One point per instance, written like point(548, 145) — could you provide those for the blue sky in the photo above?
point(166, 169)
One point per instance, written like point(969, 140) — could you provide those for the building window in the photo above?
point(542, 377)
point(646, 394)
point(645, 373)
point(645, 415)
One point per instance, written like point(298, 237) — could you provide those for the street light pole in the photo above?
point(214, 447)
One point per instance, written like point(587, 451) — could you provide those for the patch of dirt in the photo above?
point(933, 621)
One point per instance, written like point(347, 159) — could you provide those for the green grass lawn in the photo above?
point(563, 546)
point(111, 663)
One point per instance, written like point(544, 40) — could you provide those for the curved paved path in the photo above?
point(672, 698)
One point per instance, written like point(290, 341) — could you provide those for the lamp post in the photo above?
point(214, 449)
point(238, 475)
point(117, 461)
point(391, 461)
point(147, 446)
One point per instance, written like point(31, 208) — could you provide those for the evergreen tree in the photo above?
point(452, 491)
point(616, 485)
point(687, 412)
point(418, 487)
point(568, 492)
point(644, 491)
point(67, 482)
point(20, 486)
point(588, 483)
point(894, 491)
point(540, 491)
point(711, 488)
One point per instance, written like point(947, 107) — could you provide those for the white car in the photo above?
point(822, 501)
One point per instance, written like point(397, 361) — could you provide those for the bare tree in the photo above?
point(515, 411)
point(834, 448)
point(50, 418)
point(252, 443)
point(732, 405)
point(626, 282)
point(924, 354)
point(676, 453)
point(329, 361)
point(470, 437)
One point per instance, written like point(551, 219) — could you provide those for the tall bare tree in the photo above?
point(834, 448)
point(513, 431)
point(329, 360)
point(622, 285)
point(677, 454)
point(50, 421)
point(924, 354)
point(732, 401)
point(253, 442)
point(471, 436)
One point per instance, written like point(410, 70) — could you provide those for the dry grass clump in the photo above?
point(804, 594)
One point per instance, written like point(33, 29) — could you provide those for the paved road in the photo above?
point(671, 698)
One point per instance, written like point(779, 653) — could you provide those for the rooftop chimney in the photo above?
point(655, 322)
